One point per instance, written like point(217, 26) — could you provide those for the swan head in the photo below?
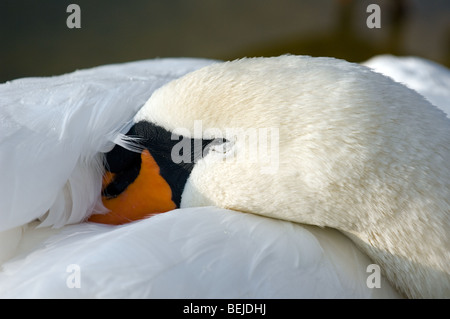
point(348, 148)
point(146, 179)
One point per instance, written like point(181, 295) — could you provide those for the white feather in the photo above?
point(430, 79)
point(194, 253)
point(52, 130)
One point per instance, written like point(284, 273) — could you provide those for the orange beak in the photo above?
point(149, 194)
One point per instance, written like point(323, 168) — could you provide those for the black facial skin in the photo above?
point(159, 142)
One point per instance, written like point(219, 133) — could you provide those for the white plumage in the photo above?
point(52, 130)
point(51, 134)
point(194, 253)
point(430, 79)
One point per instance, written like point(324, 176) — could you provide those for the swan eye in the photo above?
point(123, 168)
point(120, 181)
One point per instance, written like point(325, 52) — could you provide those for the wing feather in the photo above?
point(53, 130)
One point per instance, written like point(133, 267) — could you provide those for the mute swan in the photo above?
point(355, 151)
point(58, 203)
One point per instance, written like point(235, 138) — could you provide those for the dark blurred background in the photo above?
point(35, 40)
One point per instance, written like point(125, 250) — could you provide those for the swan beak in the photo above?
point(148, 194)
